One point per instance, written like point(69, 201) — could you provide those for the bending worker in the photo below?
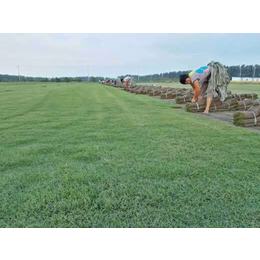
point(127, 81)
point(208, 81)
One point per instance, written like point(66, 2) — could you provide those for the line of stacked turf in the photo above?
point(246, 103)
point(247, 118)
point(222, 106)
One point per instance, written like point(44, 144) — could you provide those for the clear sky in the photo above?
point(111, 55)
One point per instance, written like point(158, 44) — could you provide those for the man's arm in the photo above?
point(196, 87)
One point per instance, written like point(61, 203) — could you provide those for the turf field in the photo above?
point(88, 155)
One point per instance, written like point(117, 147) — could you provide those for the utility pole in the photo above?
point(240, 72)
point(18, 72)
point(88, 73)
point(138, 75)
point(254, 72)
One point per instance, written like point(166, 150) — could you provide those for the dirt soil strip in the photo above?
point(225, 117)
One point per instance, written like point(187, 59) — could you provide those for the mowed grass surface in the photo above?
point(88, 155)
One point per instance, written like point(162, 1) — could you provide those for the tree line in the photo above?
point(233, 71)
point(244, 71)
point(15, 78)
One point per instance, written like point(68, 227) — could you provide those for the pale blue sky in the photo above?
point(111, 55)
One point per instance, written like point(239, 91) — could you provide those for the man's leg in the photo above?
point(202, 95)
point(210, 95)
point(209, 102)
point(202, 92)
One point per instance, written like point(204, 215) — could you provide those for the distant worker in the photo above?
point(208, 81)
point(127, 81)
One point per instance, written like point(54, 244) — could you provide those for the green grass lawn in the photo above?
point(88, 155)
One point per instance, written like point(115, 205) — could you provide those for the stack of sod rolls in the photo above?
point(247, 118)
point(243, 96)
point(143, 90)
point(240, 97)
point(216, 106)
point(247, 104)
point(168, 95)
point(140, 90)
point(155, 92)
point(175, 92)
point(184, 99)
point(166, 89)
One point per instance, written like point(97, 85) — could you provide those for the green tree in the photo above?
point(57, 80)
point(67, 79)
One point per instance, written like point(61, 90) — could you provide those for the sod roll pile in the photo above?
point(176, 92)
point(216, 106)
point(247, 104)
point(186, 98)
point(247, 118)
point(243, 96)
